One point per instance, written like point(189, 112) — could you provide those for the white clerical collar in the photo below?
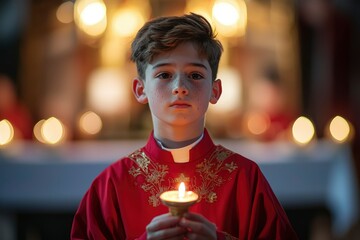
point(181, 155)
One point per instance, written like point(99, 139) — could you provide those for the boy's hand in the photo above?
point(198, 227)
point(165, 227)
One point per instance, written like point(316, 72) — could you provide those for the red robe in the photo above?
point(233, 192)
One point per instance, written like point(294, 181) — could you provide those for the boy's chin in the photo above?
point(186, 123)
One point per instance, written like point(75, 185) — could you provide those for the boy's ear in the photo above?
point(138, 90)
point(216, 91)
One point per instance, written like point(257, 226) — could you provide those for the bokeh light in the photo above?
point(93, 13)
point(37, 131)
point(339, 129)
point(257, 123)
point(231, 96)
point(90, 123)
point(303, 130)
point(52, 131)
point(230, 17)
point(108, 91)
point(225, 12)
point(90, 16)
point(127, 21)
point(6, 132)
point(65, 12)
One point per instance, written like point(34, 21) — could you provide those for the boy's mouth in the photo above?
point(180, 104)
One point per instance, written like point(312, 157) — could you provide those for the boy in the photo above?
point(177, 61)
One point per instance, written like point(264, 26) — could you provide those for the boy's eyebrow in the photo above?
point(171, 64)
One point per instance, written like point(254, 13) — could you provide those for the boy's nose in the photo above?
point(179, 86)
point(180, 90)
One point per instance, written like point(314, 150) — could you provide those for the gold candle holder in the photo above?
point(179, 201)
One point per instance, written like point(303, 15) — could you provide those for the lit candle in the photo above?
point(182, 190)
point(179, 201)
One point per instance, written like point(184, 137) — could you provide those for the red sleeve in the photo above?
point(98, 216)
point(268, 219)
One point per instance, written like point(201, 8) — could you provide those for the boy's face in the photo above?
point(178, 87)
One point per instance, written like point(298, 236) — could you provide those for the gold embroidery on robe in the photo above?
point(228, 236)
point(154, 176)
point(182, 178)
point(208, 173)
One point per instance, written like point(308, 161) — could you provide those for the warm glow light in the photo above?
point(182, 190)
point(90, 123)
point(111, 45)
point(108, 91)
point(124, 22)
point(90, 16)
point(37, 131)
point(303, 130)
point(97, 29)
point(179, 201)
point(225, 12)
point(127, 21)
point(93, 13)
point(339, 129)
point(65, 12)
point(231, 96)
point(258, 123)
point(230, 16)
point(52, 131)
point(6, 132)
point(200, 7)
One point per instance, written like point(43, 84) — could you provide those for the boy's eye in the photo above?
point(196, 76)
point(164, 75)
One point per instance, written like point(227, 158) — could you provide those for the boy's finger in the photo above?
point(199, 218)
point(162, 222)
point(169, 233)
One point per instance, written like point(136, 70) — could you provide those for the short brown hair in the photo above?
point(166, 33)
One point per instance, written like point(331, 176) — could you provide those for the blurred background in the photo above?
point(291, 102)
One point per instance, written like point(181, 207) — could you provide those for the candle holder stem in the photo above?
point(178, 210)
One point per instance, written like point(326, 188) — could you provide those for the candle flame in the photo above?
point(182, 190)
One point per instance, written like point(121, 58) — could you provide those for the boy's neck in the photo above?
point(177, 137)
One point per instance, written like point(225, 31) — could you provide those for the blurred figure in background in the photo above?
point(12, 110)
